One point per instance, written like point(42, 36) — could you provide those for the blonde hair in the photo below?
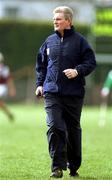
point(67, 11)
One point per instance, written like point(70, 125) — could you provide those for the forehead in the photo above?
point(59, 16)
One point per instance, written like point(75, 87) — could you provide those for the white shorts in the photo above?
point(3, 90)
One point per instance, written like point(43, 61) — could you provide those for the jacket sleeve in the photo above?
point(88, 61)
point(41, 65)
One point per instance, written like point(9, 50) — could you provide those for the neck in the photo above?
point(62, 31)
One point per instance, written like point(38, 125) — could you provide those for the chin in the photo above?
point(56, 29)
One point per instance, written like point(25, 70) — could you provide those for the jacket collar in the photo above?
point(67, 32)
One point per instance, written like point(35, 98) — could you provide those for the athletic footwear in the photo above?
point(57, 174)
point(73, 173)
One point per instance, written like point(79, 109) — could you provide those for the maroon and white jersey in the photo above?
point(4, 76)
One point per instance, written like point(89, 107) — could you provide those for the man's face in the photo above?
point(60, 23)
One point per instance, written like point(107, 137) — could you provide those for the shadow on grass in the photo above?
point(87, 178)
point(80, 178)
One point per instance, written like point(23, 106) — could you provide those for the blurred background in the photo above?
point(24, 25)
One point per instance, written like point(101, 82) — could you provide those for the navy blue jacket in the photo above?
point(57, 54)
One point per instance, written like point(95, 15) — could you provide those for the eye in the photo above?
point(57, 19)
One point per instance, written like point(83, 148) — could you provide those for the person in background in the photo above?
point(105, 91)
point(7, 87)
point(107, 86)
point(63, 61)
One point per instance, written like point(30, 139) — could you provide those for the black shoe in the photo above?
point(74, 173)
point(57, 174)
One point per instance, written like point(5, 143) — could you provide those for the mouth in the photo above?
point(56, 26)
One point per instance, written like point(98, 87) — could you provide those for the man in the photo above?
point(63, 61)
point(6, 87)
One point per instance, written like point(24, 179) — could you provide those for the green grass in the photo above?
point(23, 145)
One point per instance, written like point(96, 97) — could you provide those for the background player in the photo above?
point(104, 95)
point(7, 87)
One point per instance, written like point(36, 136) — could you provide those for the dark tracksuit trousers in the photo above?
point(64, 133)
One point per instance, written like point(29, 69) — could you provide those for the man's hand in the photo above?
point(39, 91)
point(70, 73)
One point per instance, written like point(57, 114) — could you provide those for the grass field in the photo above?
point(23, 145)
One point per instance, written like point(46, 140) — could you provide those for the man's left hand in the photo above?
point(70, 73)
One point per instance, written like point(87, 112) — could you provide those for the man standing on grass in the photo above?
point(63, 61)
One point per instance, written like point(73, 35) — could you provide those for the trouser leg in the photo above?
point(72, 115)
point(57, 148)
point(56, 133)
point(74, 149)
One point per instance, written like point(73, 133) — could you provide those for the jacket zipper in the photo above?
point(60, 71)
point(61, 39)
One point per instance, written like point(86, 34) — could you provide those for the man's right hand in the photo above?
point(39, 91)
